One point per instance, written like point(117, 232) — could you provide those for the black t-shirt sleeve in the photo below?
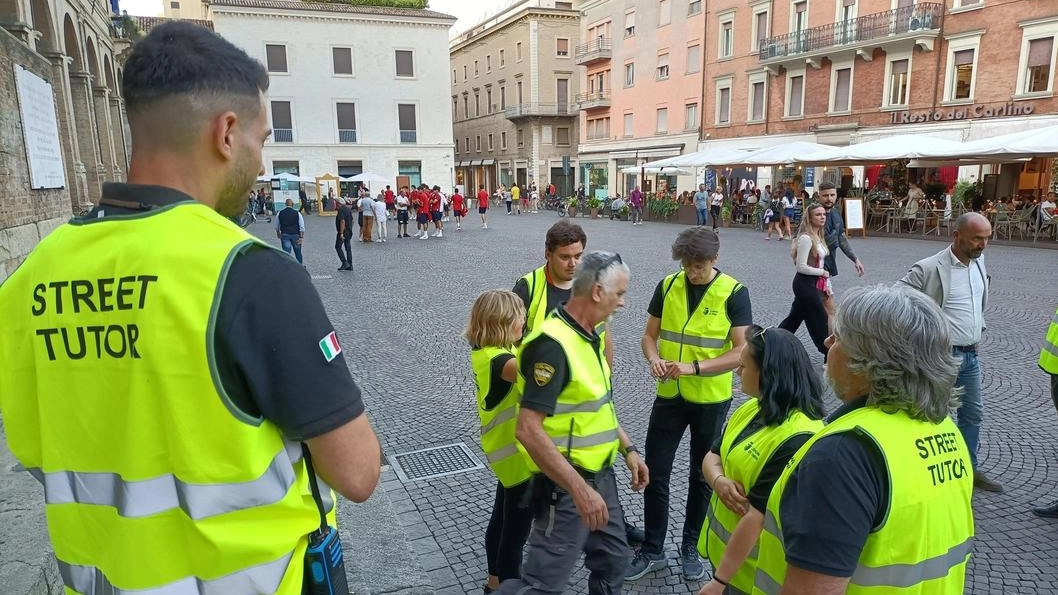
point(521, 289)
point(543, 359)
point(267, 343)
point(836, 496)
point(739, 308)
point(657, 302)
point(498, 387)
point(769, 474)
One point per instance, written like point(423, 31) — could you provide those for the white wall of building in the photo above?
point(314, 90)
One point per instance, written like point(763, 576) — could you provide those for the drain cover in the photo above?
point(436, 461)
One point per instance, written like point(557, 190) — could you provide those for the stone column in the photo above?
point(71, 154)
point(84, 123)
point(121, 146)
point(104, 132)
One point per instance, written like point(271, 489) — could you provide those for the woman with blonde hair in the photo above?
point(496, 321)
point(811, 284)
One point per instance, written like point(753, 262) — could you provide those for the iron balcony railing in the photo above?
point(529, 110)
point(283, 135)
point(599, 49)
point(347, 135)
point(408, 136)
point(593, 99)
point(872, 27)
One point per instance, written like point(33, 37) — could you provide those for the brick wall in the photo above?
point(25, 215)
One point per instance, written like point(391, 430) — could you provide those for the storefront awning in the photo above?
point(463, 164)
point(488, 161)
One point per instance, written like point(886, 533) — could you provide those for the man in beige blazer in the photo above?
point(957, 280)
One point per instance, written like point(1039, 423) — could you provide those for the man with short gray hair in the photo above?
point(568, 427)
point(956, 279)
point(879, 500)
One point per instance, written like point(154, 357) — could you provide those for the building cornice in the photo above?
point(467, 39)
point(319, 16)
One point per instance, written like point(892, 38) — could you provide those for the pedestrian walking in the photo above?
point(811, 282)
point(290, 229)
point(957, 280)
point(343, 224)
point(420, 201)
point(716, 205)
point(696, 327)
point(516, 198)
point(483, 206)
point(635, 199)
point(879, 500)
point(495, 326)
point(459, 208)
point(367, 211)
point(834, 232)
point(381, 217)
point(437, 200)
point(786, 212)
point(171, 455)
point(568, 403)
point(784, 410)
point(402, 203)
point(391, 202)
point(1049, 364)
point(773, 216)
point(508, 197)
point(701, 204)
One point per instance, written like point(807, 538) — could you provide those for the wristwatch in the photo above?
point(631, 448)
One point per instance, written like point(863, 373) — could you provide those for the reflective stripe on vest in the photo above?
point(1049, 353)
point(263, 578)
point(743, 462)
point(704, 334)
point(142, 455)
point(928, 531)
point(499, 423)
point(584, 425)
point(536, 281)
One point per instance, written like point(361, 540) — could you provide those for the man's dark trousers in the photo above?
point(669, 418)
point(558, 537)
point(343, 246)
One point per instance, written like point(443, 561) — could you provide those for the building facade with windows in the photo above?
point(353, 88)
point(514, 86)
point(184, 9)
point(642, 90)
point(846, 71)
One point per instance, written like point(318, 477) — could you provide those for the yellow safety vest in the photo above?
point(925, 540)
point(1049, 353)
point(702, 335)
point(154, 481)
point(515, 192)
point(584, 424)
point(536, 280)
point(499, 423)
point(743, 463)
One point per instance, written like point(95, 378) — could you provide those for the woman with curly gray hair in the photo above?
point(879, 500)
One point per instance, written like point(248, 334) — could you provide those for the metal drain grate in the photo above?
point(436, 461)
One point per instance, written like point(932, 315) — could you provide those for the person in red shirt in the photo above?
point(391, 201)
point(483, 206)
point(436, 211)
point(420, 199)
point(458, 209)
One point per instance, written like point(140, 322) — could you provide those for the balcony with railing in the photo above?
point(916, 25)
point(409, 136)
point(538, 110)
point(283, 135)
point(593, 99)
point(594, 51)
point(347, 135)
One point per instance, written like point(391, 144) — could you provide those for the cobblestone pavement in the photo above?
point(400, 313)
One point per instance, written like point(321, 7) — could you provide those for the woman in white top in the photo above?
point(811, 284)
point(381, 216)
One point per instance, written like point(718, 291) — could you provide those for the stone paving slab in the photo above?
point(401, 311)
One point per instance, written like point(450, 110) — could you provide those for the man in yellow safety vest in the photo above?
point(1049, 364)
point(166, 423)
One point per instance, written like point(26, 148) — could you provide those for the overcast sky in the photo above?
point(469, 12)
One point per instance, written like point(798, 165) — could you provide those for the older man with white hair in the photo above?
point(879, 500)
point(957, 280)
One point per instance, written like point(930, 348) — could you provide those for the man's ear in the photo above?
point(223, 134)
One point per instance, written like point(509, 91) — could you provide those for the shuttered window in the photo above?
point(797, 87)
point(842, 87)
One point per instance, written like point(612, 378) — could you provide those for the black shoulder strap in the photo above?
point(314, 486)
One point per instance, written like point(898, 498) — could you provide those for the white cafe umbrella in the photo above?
point(665, 171)
point(780, 154)
point(368, 178)
point(289, 177)
point(1038, 142)
point(901, 146)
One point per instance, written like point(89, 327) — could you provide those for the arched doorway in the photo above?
point(87, 160)
point(40, 14)
point(11, 12)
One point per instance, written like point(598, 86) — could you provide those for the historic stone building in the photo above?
point(67, 48)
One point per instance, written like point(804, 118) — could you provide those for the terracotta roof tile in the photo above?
point(147, 23)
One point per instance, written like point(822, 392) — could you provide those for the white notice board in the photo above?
point(854, 216)
point(36, 103)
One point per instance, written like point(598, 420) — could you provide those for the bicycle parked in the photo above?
point(556, 204)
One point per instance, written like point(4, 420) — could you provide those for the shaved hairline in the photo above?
point(177, 120)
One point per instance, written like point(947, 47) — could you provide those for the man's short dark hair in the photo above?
point(827, 186)
point(696, 244)
point(178, 58)
point(564, 233)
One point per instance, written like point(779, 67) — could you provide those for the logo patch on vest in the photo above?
point(542, 373)
point(330, 347)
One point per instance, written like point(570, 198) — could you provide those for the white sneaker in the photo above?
point(440, 234)
point(484, 226)
point(424, 237)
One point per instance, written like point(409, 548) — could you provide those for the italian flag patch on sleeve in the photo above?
point(330, 347)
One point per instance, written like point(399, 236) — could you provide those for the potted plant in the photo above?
point(623, 213)
point(661, 206)
point(965, 193)
point(571, 206)
point(593, 206)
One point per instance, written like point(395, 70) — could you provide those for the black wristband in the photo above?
point(697, 369)
point(631, 448)
point(721, 581)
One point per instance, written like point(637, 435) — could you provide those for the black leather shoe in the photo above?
point(982, 482)
point(1047, 511)
point(634, 534)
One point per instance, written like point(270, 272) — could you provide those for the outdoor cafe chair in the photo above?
point(1048, 229)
